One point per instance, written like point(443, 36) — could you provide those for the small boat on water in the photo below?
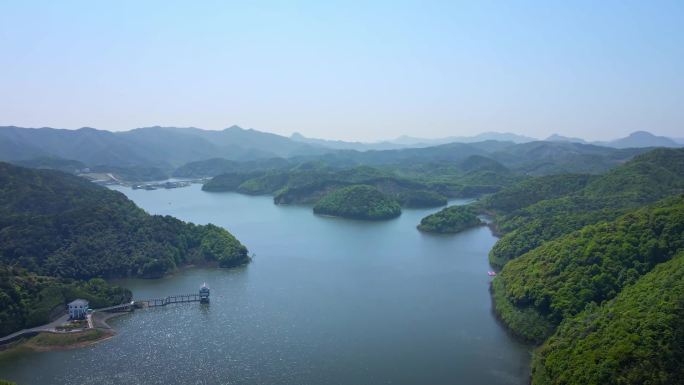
point(491, 273)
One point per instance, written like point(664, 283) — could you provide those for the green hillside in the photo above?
point(58, 231)
point(645, 179)
point(588, 271)
point(28, 300)
point(358, 202)
point(637, 338)
point(57, 224)
point(558, 279)
point(307, 182)
point(452, 219)
point(533, 190)
point(217, 166)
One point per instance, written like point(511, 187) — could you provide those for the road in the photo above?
point(50, 327)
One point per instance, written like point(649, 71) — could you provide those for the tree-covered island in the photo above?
point(358, 202)
point(453, 219)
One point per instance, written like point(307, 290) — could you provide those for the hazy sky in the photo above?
point(595, 69)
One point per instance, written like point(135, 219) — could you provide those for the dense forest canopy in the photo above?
point(358, 202)
point(645, 179)
point(57, 224)
point(217, 166)
point(28, 299)
point(590, 271)
point(452, 219)
point(412, 185)
point(558, 279)
point(532, 190)
point(308, 182)
point(57, 229)
point(637, 338)
point(414, 177)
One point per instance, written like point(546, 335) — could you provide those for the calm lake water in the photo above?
point(325, 301)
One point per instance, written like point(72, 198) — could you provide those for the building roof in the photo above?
point(78, 302)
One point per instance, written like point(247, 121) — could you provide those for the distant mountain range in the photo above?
point(641, 139)
point(638, 139)
point(153, 152)
point(499, 136)
point(405, 141)
point(342, 145)
point(163, 147)
point(561, 138)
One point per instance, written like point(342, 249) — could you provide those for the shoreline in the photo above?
point(47, 341)
point(26, 340)
point(105, 335)
point(51, 341)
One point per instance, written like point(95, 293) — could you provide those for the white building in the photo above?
point(77, 308)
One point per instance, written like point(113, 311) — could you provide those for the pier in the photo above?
point(181, 298)
point(202, 296)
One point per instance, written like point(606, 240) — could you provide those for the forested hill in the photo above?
point(58, 232)
point(637, 338)
point(592, 267)
point(58, 224)
point(358, 202)
point(566, 203)
point(533, 190)
point(452, 219)
point(555, 281)
point(308, 182)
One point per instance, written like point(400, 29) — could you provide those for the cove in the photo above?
point(325, 301)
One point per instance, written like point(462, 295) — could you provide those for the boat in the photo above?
point(491, 273)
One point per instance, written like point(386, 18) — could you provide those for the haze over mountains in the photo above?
point(162, 147)
point(549, 199)
point(406, 141)
point(633, 140)
point(636, 139)
point(156, 152)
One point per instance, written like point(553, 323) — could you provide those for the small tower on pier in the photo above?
point(204, 293)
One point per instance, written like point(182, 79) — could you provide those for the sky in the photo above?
point(347, 70)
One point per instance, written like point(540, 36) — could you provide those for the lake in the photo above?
point(325, 301)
